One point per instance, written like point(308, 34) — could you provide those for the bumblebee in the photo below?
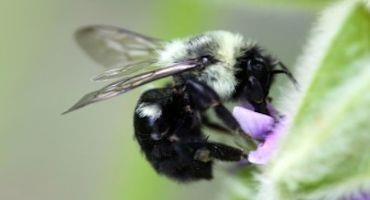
point(207, 71)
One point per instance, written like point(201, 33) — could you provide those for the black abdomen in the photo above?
point(168, 132)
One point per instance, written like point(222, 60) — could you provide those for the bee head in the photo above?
point(255, 66)
point(256, 71)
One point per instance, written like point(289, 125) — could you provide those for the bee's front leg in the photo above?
point(256, 95)
point(204, 97)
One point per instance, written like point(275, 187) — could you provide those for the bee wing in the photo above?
point(126, 84)
point(112, 46)
point(126, 70)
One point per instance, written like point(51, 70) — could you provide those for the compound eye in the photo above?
point(206, 60)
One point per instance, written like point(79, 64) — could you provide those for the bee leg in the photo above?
point(255, 94)
point(224, 152)
point(214, 126)
point(207, 151)
point(205, 97)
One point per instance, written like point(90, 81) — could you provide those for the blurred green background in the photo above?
point(91, 154)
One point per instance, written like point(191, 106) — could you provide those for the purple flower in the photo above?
point(358, 196)
point(263, 128)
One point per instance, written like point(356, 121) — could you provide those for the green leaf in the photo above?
point(241, 189)
point(326, 152)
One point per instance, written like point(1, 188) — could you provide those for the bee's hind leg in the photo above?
point(207, 151)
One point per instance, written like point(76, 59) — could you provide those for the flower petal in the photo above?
point(266, 150)
point(263, 128)
point(257, 125)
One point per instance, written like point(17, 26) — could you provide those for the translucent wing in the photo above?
point(126, 70)
point(126, 84)
point(112, 46)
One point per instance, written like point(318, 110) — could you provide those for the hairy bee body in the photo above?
point(168, 123)
point(164, 128)
point(208, 70)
